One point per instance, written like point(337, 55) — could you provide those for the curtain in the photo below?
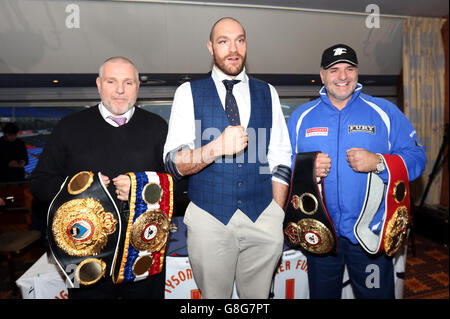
point(424, 94)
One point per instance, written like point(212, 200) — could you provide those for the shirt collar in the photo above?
point(219, 76)
point(105, 113)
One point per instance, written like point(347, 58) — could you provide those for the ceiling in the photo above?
point(416, 8)
point(37, 47)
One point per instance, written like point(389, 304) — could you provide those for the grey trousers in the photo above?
point(241, 251)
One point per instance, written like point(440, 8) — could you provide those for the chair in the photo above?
point(12, 244)
point(16, 235)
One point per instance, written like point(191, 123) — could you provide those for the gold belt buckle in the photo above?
point(311, 234)
point(150, 231)
point(81, 227)
point(396, 230)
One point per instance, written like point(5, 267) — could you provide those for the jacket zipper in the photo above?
point(338, 230)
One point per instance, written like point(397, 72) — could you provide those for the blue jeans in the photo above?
point(372, 276)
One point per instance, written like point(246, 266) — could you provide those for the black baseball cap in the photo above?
point(338, 53)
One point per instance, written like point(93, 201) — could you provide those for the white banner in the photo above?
point(42, 281)
point(291, 278)
point(180, 282)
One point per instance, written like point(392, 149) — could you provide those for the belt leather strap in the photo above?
point(141, 253)
point(396, 215)
point(83, 228)
point(307, 223)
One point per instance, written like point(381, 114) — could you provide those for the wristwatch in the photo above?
point(380, 165)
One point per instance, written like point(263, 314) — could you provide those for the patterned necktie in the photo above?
point(118, 120)
point(231, 108)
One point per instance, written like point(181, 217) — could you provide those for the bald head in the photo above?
point(221, 21)
point(118, 59)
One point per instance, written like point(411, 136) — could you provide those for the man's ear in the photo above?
point(210, 47)
point(99, 83)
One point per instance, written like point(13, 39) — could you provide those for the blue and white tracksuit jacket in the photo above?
point(374, 124)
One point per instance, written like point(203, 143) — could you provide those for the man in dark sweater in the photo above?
point(91, 140)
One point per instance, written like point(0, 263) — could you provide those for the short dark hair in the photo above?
point(10, 128)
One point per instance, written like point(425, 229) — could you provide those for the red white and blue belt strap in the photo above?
point(147, 230)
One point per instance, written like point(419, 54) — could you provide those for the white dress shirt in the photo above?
point(182, 119)
point(105, 113)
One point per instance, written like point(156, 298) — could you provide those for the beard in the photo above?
point(344, 95)
point(118, 108)
point(340, 97)
point(230, 70)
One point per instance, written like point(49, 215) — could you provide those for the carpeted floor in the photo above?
point(426, 274)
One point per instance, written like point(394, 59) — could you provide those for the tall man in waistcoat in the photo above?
point(228, 134)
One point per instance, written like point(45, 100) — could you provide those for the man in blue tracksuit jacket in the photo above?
point(350, 128)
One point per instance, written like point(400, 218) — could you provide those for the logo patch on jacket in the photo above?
point(317, 131)
point(361, 129)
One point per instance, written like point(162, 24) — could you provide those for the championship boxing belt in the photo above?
point(307, 222)
point(83, 228)
point(396, 210)
point(141, 254)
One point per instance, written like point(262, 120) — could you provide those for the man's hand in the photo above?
point(232, 140)
point(361, 160)
point(322, 165)
point(14, 164)
point(105, 179)
point(122, 184)
point(279, 193)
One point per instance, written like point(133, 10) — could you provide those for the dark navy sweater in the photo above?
point(85, 141)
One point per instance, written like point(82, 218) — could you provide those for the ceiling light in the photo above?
point(145, 80)
point(185, 78)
